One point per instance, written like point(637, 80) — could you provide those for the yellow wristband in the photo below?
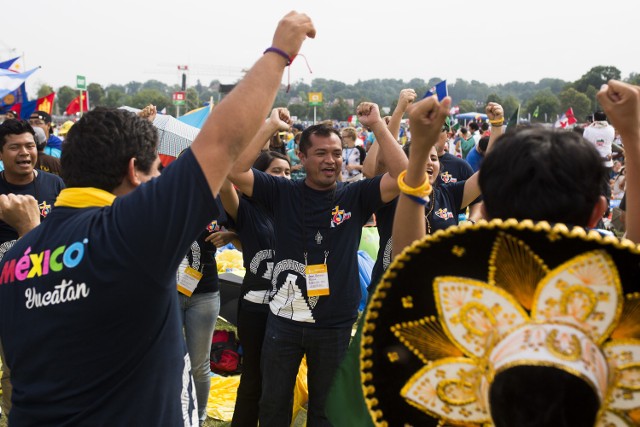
point(422, 191)
point(497, 122)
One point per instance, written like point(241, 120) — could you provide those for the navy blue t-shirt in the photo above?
point(255, 228)
point(316, 222)
point(447, 199)
point(45, 189)
point(453, 169)
point(90, 322)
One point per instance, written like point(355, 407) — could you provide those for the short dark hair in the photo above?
point(483, 143)
point(473, 126)
point(97, 149)
point(543, 175)
point(265, 159)
point(14, 127)
point(599, 116)
point(320, 129)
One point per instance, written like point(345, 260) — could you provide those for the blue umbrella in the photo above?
point(197, 117)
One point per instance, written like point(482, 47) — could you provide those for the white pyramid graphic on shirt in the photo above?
point(289, 302)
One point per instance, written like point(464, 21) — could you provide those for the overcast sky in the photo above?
point(493, 41)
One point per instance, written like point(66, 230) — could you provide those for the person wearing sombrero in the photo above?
point(518, 322)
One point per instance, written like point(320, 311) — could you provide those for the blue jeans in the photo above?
point(284, 345)
point(199, 315)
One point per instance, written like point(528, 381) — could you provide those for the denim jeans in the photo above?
point(284, 345)
point(199, 315)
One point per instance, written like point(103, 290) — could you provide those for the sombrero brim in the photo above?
point(403, 306)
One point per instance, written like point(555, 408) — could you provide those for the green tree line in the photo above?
point(551, 97)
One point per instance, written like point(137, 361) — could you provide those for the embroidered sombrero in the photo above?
point(461, 310)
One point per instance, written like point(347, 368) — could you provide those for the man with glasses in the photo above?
point(42, 119)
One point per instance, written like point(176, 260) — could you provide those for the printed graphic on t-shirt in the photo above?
point(213, 226)
point(338, 216)
point(288, 301)
point(32, 265)
point(446, 177)
point(386, 258)
point(45, 209)
point(444, 213)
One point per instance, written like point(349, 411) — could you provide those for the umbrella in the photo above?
point(471, 116)
point(196, 117)
point(174, 135)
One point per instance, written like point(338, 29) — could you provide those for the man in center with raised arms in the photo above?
point(316, 288)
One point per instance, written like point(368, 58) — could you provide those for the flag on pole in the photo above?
point(353, 120)
point(11, 65)
point(46, 103)
point(536, 111)
point(74, 105)
point(24, 109)
point(18, 96)
point(10, 81)
point(440, 89)
point(514, 119)
point(567, 119)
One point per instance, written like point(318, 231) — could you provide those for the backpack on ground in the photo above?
point(225, 353)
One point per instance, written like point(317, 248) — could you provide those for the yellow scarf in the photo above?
point(84, 197)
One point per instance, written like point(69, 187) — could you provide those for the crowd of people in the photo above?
point(109, 291)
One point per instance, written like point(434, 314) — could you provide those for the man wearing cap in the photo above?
point(42, 119)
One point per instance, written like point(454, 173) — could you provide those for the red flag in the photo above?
point(74, 105)
point(571, 119)
point(46, 103)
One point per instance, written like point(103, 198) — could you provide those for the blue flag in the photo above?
point(16, 97)
point(440, 89)
point(6, 65)
point(10, 81)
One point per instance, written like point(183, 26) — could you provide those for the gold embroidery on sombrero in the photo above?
point(628, 325)
point(575, 306)
point(629, 320)
point(590, 295)
point(426, 339)
point(514, 267)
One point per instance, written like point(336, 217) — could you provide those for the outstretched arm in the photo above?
point(427, 118)
point(236, 120)
point(374, 163)
point(241, 174)
point(621, 102)
point(369, 115)
point(495, 113)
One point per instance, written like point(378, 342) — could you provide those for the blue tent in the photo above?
point(471, 116)
point(196, 117)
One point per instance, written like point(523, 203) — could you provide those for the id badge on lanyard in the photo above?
point(188, 281)
point(317, 279)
